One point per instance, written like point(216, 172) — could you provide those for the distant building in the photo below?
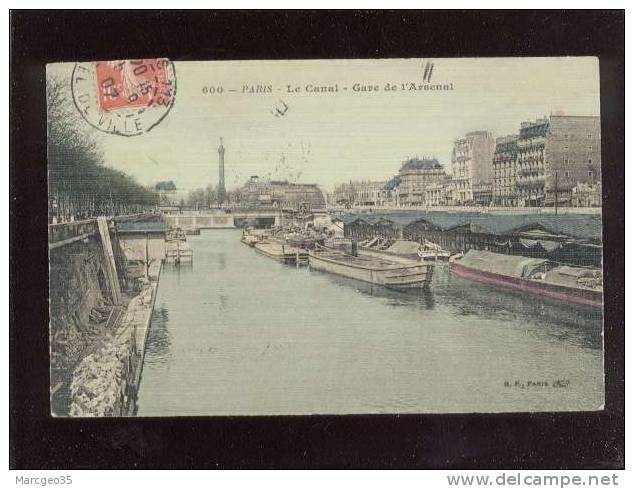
point(555, 155)
point(531, 158)
point(504, 161)
point(366, 193)
point(370, 193)
point(438, 193)
point(282, 194)
point(415, 176)
point(586, 195)
point(345, 194)
point(167, 194)
point(573, 156)
point(389, 193)
point(471, 164)
point(482, 194)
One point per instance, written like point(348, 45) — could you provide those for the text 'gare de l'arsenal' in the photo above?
point(333, 88)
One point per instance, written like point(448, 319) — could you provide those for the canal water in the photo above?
point(237, 333)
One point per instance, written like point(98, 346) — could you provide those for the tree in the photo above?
point(202, 198)
point(79, 185)
point(167, 186)
point(211, 195)
point(196, 198)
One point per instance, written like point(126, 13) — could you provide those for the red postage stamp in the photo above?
point(124, 97)
point(138, 83)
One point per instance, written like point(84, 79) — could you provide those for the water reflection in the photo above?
point(418, 298)
point(240, 334)
point(568, 322)
point(178, 269)
point(160, 341)
point(222, 261)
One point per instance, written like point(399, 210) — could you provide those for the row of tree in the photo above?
point(201, 198)
point(204, 198)
point(80, 186)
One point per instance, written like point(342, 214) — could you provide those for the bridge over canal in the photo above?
point(224, 219)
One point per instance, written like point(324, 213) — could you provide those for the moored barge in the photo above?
point(177, 249)
point(538, 276)
point(251, 236)
point(281, 252)
point(394, 273)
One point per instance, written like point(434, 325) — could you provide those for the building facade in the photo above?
point(167, 194)
point(416, 175)
point(554, 156)
point(504, 172)
point(573, 156)
point(389, 194)
point(370, 193)
point(438, 194)
point(471, 164)
point(531, 163)
point(282, 194)
point(365, 193)
point(344, 194)
point(587, 195)
point(482, 194)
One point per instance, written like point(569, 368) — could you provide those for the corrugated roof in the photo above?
point(576, 225)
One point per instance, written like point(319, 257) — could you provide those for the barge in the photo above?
point(252, 236)
point(176, 247)
point(281, 252)
point(374, 268)
point(177, 251)
point(537, 276)
point(425, 251)
point(429, 251)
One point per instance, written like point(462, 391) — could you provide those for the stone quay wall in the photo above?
point(100, 311)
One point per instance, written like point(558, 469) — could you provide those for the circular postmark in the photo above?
point(125, 97)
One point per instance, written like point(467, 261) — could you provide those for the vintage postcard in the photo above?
point(302, 237)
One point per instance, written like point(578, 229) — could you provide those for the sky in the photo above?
point(329, 138)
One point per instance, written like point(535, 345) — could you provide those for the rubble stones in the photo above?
point(99, 383)
point(103, 380)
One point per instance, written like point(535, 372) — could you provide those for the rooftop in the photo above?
point(511, 138)
point(583, 226)
point(420, 164)
point(534, 129)
point(286, 183)
point(392, 183)
point(478, 134)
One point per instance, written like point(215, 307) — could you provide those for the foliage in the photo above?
point(79, 184)
point(167, 186)
point(202, 197)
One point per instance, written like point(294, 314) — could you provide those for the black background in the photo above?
point(545, 440)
